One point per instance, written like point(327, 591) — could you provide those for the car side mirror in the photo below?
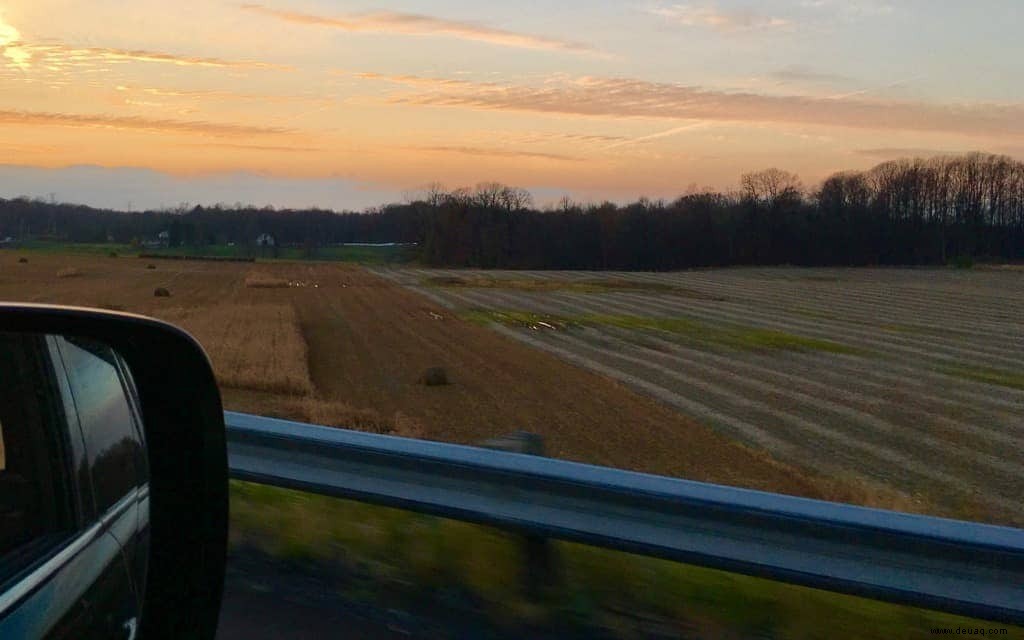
point(113, 477)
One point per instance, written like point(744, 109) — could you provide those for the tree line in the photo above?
point(903, 212)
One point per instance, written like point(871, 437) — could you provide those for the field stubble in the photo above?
point(908, 379)
point(348, 348)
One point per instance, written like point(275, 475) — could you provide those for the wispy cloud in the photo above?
point(851, 9)
point(497, 153)
point(631, 98)
point(421, 25)
point(58, 56)
point(37, 118)
point(420, 81)
point(214, 94)
point(892, 153)
point(270, 148)
point(807, 75)
point(660, 134)
point(714, 17)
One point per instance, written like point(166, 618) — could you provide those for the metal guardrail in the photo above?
point(960, 567)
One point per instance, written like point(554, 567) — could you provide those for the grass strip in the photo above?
point(988, 375)
point(597, 285)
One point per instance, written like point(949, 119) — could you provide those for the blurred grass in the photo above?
point(444, 563)
point(738, 337)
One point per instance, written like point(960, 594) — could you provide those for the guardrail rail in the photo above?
point(960, 567)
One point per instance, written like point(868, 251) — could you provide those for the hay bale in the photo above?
point(151, 266)
point(434, 377)
point(69, 272)
point(162, 293)
point(22, 260)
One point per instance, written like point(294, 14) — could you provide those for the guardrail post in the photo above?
point(539, 570)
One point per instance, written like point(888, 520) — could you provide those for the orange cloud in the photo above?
point(498, 153)
point(420, 25)
point(257, 147)
point(631, 98)
point(61, 55)
point(36, 118)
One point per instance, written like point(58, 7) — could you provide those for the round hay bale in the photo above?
point(162, 293)
point(151, 266)
point(22, 260)
point(434, 377)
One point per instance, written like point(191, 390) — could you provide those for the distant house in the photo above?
point(265, 240)
point(163, 239)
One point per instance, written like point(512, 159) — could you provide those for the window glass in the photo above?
point(106, 418)
point(35, 489)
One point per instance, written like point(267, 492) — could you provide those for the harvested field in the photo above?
point(251, 346)
point(368, 340)
point(265, 281)
point(911, 379)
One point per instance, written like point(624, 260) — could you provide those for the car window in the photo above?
point(106, 418)
point(35, 484)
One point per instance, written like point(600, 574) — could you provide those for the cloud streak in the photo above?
point(631, 98)
point(497, 153)
point(421, 25)
point(719, 19)
point(801, 74)
point(61, 55)
point(38, 118)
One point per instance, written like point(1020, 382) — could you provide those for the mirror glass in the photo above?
point(74, 508)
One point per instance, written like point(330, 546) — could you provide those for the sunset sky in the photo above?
point(346, 104)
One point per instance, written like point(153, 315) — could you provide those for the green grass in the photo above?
point(347, 253)
point(989, 375)
point(596, 285)
point(83, 248)
point(479, 569)
point(731, 336)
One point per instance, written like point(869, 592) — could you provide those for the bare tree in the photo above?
point(771, 186)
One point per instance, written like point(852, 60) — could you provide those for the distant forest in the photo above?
point(905, 212)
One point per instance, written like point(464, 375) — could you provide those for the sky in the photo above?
point(350, 104)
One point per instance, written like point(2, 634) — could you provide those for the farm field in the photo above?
point(335, 344)
point(908, 379)
point(343, 345)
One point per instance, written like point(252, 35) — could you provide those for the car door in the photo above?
point(108, 418)
point(71, 484)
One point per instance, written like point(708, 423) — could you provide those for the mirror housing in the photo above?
point(183, 424)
